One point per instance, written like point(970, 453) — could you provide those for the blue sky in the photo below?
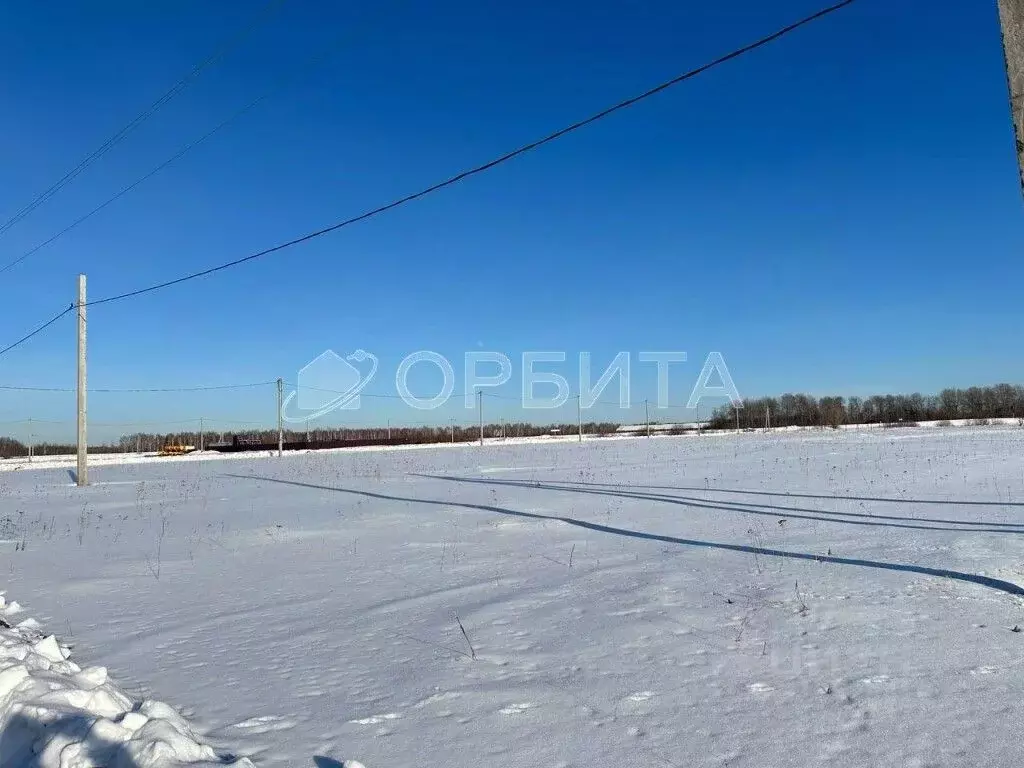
point(838, 212)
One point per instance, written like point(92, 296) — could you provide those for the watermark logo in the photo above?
point(330, 383)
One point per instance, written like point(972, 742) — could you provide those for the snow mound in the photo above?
point(54, 714)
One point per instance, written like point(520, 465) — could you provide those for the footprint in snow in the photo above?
point(516, 709)
point(641, 696)
point(876, 679)
point(265, 724)
point(437, 698)
point(376, 719)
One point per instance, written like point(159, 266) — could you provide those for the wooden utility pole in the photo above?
point(579, 414)
point(1011, 19)
point(647, 418)
point(202, 435)
point(82, 476)
point(280, 417)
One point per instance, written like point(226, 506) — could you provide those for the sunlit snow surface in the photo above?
point(820, 598)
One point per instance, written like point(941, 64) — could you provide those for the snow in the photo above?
point(55, 714)
point(69, 461)
point(783, 599)
point(633, 428)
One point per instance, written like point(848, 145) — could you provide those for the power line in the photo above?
point(372, 396)
point(210, 422)
point(310, 63)
point(35, 421)
point(476, 390)
point(491, 395)
point(222, 387)
point(369, 395)
point(473, 171)
point(177, 423)
point(40, 329)
point(118, 137)
point(493, 163)
point(35, 389)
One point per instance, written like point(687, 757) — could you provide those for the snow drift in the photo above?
point(54, 714)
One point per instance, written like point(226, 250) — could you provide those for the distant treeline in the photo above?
point(996, 402)
point(11, 448)
point(974, 403)
point(149, 442)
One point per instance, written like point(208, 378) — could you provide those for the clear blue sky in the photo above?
point(837, 213)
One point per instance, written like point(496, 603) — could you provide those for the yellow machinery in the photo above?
point(176, 449)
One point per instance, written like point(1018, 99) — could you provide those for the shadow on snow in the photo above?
point(970, 578)
point(752, 508)
point(21, 735)
point(784, 494)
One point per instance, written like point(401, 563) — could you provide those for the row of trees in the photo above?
point(999, 401)
point(994, 402)
point(11, 448)
point(149, 442)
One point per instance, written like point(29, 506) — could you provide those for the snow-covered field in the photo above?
point(836, 598)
